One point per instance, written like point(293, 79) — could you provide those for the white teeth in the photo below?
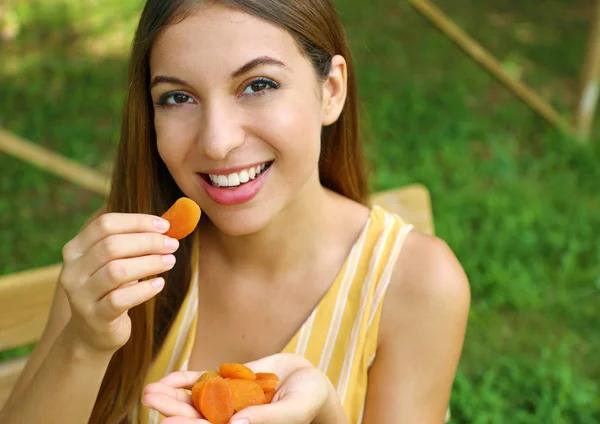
point(237, 178)
point(233, 180)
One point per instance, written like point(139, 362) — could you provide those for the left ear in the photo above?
point(334, 91)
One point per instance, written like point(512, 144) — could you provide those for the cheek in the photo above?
point(295, 130)
point(174, 138)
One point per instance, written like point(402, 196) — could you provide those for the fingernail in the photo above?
point(161, 224)
point(158, 283)
point(171, 243)
point(168, 259)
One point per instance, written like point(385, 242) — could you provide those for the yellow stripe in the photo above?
point(365, 296)
point(387, 273)
point(340, 305)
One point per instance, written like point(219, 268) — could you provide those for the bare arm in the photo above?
point(60, 312)
point(99, 283)
point(63, 389)
point(48, 363)
point(421, 335)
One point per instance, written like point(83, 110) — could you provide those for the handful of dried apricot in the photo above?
point(217, 395)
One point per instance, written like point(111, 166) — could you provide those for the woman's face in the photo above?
point(238, 116)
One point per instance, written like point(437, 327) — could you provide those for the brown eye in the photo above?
point(180, 98)
point(260, 85)
point(171, 99)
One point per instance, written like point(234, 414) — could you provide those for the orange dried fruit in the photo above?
point(267, 380)
point(233, 370)
point(209, 374)
point(269, 395)
point(217, 395)
point(183, 216)
point(245, 393)
point(216, 400)
point(197, 393)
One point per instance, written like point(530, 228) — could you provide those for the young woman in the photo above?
point(249, 107)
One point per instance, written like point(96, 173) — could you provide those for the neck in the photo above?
point(288, 243)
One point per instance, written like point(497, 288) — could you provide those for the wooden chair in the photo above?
point(25, 297)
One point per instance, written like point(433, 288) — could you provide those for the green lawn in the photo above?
point(518, 202)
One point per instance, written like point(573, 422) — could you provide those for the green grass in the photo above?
point(517, 201)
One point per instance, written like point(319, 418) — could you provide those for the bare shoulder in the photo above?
point(427, 278)
point(421, 334)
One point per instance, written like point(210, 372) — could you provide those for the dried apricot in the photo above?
point(245, 393)
point(183, 216)
point(216, 401)
point(233, 370)
point(267, 380)
point(269, 395)
point(217, 395)
point(209, 374)
point(197, 393)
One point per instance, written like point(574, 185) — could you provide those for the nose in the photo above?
point(222, 131)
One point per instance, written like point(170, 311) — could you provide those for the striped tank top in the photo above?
point(340, 335)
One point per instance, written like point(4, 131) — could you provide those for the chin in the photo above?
point(241, 222)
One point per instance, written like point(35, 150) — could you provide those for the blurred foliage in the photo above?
point(517, 202)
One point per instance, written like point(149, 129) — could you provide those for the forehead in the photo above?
point(219, 37)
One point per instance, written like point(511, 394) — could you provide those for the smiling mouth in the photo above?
point(239, 178)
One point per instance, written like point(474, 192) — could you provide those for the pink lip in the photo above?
point(227, 171)
point(235, 195)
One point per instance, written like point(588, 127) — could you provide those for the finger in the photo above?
point(113, 223)
point(122, 246)
point(119, 301)
point(177, 394)
point(118, 272)
point(282, 364)
point(181, 379)
point(169, 407)
point(183, 420)
point(290, 410)
point(298, 399)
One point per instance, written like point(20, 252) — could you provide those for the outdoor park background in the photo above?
point(517, 201)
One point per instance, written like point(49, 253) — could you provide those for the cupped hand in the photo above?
point(301, 393)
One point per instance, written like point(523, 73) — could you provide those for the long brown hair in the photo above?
point(143, 184)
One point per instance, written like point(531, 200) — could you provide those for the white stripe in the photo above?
point(340, 304)
point(364, 296)
point(371, 360)
point(184, 366)
point(305, 334)
point(183, 334)
point(185, 325)
point(362, 414)
point(387, 273)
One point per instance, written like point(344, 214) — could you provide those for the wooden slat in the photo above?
point(25, 299)
point(412, 203)
point(53, 162)
point(9, 373)
point(489, 63)
point(590, 81)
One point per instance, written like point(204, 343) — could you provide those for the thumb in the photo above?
point(289, 409)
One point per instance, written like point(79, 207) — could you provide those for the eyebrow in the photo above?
point(253, 64)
